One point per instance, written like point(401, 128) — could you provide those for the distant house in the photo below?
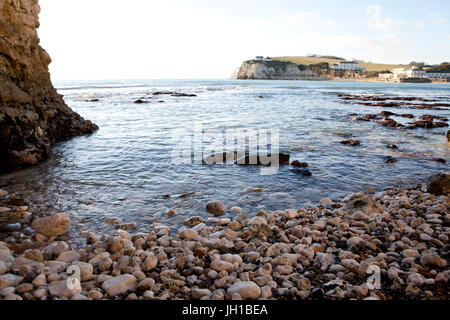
point(402, 73)
point(347, 65)
point(436, 74)
point(261, 58)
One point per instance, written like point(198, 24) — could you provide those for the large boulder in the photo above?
point(33, 116)
point(54, 225)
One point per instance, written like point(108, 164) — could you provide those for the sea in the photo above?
point(146, 158)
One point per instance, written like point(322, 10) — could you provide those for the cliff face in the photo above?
point(268, 70)
point(33, 115)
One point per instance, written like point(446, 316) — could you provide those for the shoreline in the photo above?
point(320, 252)
point(376, 80)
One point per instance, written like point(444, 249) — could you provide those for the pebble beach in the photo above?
point(326, 251)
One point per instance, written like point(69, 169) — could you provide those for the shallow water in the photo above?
point(126, 170)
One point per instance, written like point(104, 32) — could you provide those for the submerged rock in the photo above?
point(264, 159)
point(215, 208)
point(351, 142)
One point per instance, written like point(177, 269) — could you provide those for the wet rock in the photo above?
point(351, 142)
point(390, 160)
point(54, 225)
point(264, 159)
point(302, 172)
point(139, 101)
point(215, 208)
point(299, 164)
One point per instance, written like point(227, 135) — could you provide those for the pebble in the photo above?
point(247, 290)
point(197, 294)
point(120, 284)
point(61, 290)
point(307, 253)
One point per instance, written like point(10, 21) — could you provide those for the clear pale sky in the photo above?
point(153, 39)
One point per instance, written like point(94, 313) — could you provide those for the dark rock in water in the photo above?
point(302, 172)
point(391, 123)
point(221, 158)
point(173, 94)
point(281, 158)
point(139, 101)
point(439, 185)
point(448, 135)
point(94, 100)
point(183, 95)
point(160, 93)
point(392, 146)
point(299, 164)
point(387, 113)
point(390, 160)
point(440, 160)
point(33, 116)
point(371, 116)
point(428, 124)
point(351, 142)
point(428, 117)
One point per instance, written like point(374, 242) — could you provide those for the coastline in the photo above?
point(320, 252)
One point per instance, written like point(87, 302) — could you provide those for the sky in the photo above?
point(208, 39)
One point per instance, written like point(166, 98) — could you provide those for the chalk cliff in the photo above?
point(33, 115)
point(268, 70)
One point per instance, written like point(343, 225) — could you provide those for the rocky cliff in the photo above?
point(33, 115)
point(268, 70)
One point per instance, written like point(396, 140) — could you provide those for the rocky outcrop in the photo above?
point(33, 116)
point(268, 70)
